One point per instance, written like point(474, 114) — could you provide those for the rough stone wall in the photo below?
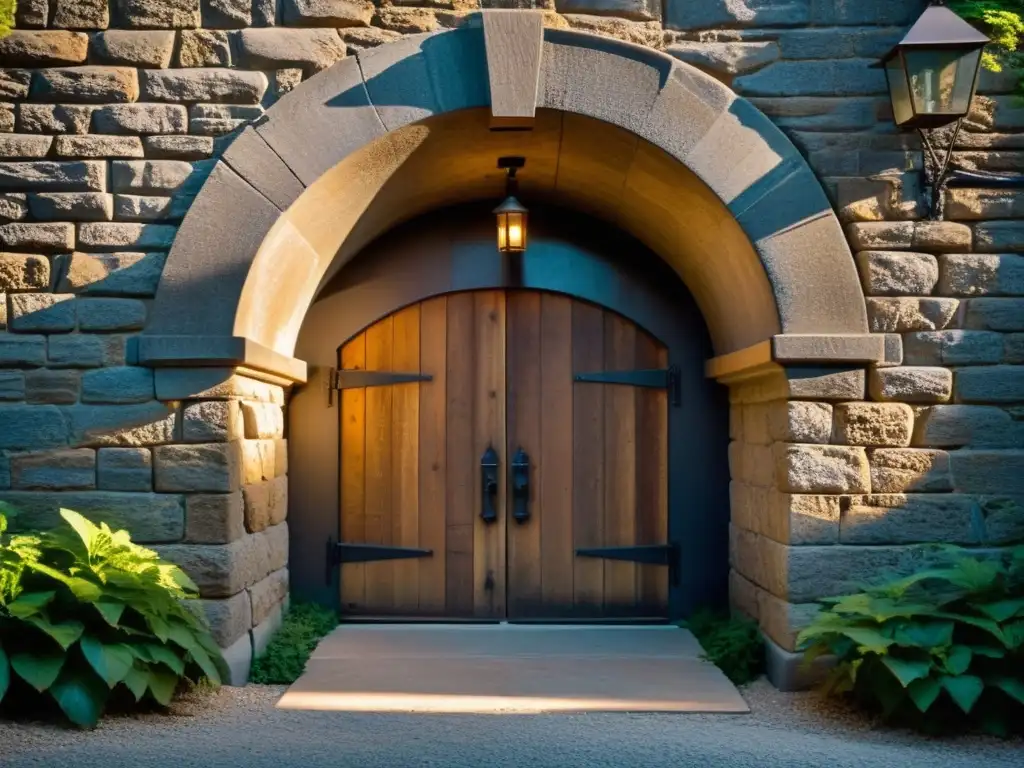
point(111, 112)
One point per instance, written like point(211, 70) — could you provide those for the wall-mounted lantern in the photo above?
point(932, 74)
point(512, 215)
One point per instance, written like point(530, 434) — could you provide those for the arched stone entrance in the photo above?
point(619, 132)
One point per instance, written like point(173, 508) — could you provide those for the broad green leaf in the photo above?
point(987, 624)
point(182, 636)
point(870, 639)
point(162, 655)
point(987, 651)
point(81, 696)
point(925, 634)
point(38, 669)
point(5, 672)
point(110, 662)
point(958, 659)
point(924, 692)
point(110, 611)
point(159, 627)
point(964, 689)
point(162, 685)
point(29, 603)
point(206, 664)
point(1011, 686)
point(137, 681)
point(85, 590)
point(86, 531)
point(66, 633)
point(1013, 635)
point(1002, 610)
point(907, 671)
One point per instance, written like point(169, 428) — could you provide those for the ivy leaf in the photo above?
point(964, 690)
point(1011, 686)
point(958, 660)
point(907, 671)
point(110, 662)
point(924, 692)
point(162, 685)
point(81, 696)
point(38, 669)
point(110, 611)
point(5, 673)
point(29, 603)
point(66, 633)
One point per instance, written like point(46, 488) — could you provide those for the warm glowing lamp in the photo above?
point(512, 215)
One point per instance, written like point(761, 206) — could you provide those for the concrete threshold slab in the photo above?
point(509, 668)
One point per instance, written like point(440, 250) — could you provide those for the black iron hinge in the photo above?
point(649, 554)
point(348, 379)
point(339, 552)
point(660, 378)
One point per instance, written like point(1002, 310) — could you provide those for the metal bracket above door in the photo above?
point(648, 554)
point(350, 379)
point(660, 378)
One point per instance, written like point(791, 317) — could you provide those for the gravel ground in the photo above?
point(241, 727)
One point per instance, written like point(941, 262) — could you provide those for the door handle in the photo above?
point(489, 485)
point(521, 486)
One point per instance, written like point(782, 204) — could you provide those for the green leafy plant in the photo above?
point(7, 9)
point(88, 619)
point(939, 648)
point(1003, 21)
point(733, 644)
point(287, 653)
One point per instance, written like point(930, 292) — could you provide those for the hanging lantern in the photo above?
point(512, 216)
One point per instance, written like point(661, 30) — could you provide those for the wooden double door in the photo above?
point(504, 454)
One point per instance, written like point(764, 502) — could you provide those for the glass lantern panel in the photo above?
point(902, 109)
point(942, 81)
point(516, 231)
point(502, 232)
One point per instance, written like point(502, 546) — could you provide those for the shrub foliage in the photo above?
point(733, 644)
point(1003, 21)
point(87, 617)
point(286, 656)
point(942, 646)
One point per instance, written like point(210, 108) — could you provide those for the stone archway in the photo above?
point(620, 131)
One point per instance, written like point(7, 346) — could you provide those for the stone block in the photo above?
point(821, 469)
point(873, 424)
point(722, 13)
point(995, 314)
point(150, 48)
point(98, 146)
point(123, 384)
point(46, 312)
point(12, 386)
point(212, 421)
point(1003, 518)
point(801, 422)
point(124, 469)
point(209, 467)
point(726, 58)
point(18, 351)
point(895, 273)
point(214, 384)
point(111, 314)
point(228, 14)
point(148, 208)
point(258, 460)
point(953, 348)
point(86, 85)
point(988, 471)
point(62, 470)
point(112, 274)
point(13, 206)
point(999, 237)
point(264, 632)
point(54, 118)
point(363, 38)
point(24, 145)
point(53, 176)
point(238, 658)
point(25, 48)
point(53, 387)
point(789, 671)
point(838, 77)
point(32, 427)
point(801, 519)
point(327, 13)
point(214, 518)
point(229, 618)
point(911, 384)
point(141, 119)
point(265, 503)
point(978, 274)
point(968, 204)
point(204, 85)
point(72, 206)
point(262, 420)
point(990, 384)
point(23, 272)
point(312, 50)
point(156, 14)
point(226, 569)
point(898, 315)
point(81, 14)
point(76, 351)
point(178, 147)
point(38, 237)
point(899, 470)
point(148, 517)
point(114, 236)
point(204, 48)
point(149, 177)
point(937, 236)
point(31, 14)
point(280, 458)
point(14, 83)
point(121, 425)
point(825, 383)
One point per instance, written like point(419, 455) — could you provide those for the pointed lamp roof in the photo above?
point(939, 26)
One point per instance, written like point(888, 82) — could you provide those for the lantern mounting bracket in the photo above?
point(511, 163)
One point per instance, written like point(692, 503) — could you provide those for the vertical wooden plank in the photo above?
point(489, 430)
point(462, 465)
point(353, 477)
point(588, 458)
point(620, 466)
point(652, 476)
point(524, 396)
point(379, 502)
point(556, 439)
point(405, 422)
point(432, 458)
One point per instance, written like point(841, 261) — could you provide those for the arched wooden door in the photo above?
point(562, 403)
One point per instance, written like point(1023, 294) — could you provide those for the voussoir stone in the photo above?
point(209, 85)
point(899, 470)
point(873, 424)
point(911, 384)
point(142, 48)
point(23, 272)
point(323, 13)
point(88, 85)
point(310, 49)
point(157, 14)
point(198, 467)
point(822, 469)
point(43, 48)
